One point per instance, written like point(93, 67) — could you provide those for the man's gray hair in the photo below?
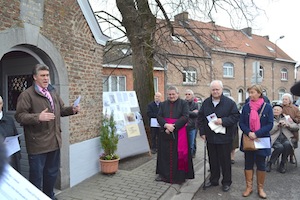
point(173, 88)
point(218, 82)
point(39, 67)
point(289, 96)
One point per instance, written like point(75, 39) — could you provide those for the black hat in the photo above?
point(279, 105)
point(295, 89)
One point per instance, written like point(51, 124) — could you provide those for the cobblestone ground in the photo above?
point(136, 184)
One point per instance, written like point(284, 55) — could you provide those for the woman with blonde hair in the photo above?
point(256, 121)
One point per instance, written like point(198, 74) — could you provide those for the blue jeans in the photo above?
point(252, 158)
point(192, 135)
point(43, 171)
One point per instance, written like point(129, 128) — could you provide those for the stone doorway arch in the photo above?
point(19, 52)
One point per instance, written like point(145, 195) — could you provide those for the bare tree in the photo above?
point(150, 37)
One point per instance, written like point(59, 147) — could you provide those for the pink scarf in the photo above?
point(254, 119)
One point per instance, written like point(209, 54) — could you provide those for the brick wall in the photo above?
point(240, 80)
point(129, 77)
point(63, 24)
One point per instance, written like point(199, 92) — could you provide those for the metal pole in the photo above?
point(204, 187)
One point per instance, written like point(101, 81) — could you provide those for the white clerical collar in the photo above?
point(1, 115)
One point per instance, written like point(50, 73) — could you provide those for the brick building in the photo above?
point(117, 69)
point(193, 53)
point(65, 36)
point(206, 51)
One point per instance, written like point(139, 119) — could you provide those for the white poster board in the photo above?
point(130, 126)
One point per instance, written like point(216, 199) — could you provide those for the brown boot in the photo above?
point(260, 176)
point(249, 182)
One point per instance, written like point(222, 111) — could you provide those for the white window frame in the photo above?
point(226, 92)
point(109, 80)
point(228, 70)
point(189, 76)
point(261, 71)
point(155, 83)
point(284, 74)
point(281, 92)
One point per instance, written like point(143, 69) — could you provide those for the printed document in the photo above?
point(262, 143)
point(216, 128)
point(77, 101)
point(12, 145)
point(154, 122)
point(211, 117)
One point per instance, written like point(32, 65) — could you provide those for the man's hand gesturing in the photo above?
point(46, 116)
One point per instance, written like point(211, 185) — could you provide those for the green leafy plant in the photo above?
point(108, 137)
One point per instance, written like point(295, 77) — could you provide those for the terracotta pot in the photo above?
point(109, 166)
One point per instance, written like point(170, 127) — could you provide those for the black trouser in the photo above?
point(281, 146)
point(219, 159)
point(154, 136)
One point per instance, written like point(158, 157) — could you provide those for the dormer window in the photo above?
point(216, 38)
point(270, 49)
point(126, 51)
point(177, 38)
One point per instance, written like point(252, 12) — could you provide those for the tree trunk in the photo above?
point(140, 23)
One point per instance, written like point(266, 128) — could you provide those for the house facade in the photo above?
point(117, 69)
point(193, 53)
point(236, 57)
point(65, 36)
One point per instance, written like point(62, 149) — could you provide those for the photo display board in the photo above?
point(130, 126)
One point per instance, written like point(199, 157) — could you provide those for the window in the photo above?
point(284, 75)
point(189, 76)
point(281, 93)
point(155, 83)
point(216, 38)
point(114, 83)
point(261, 71)
point(270, 49)
point(265, 93)
point(226, 92)
point(177, 38)
point(228, 69)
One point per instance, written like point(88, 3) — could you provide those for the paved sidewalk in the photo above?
point(138, 183)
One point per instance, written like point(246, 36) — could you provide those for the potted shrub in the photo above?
point(109, 161)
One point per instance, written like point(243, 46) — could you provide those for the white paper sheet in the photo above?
point(12, 145)
point(216, 128)
point(77, 101)
point(154, 122)
point(262, 143)
point(14, 186)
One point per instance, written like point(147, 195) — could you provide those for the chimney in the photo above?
point(184, 16)
point(267, 37)
point(247, 31)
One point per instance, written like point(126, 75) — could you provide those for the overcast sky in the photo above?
point(280, 20)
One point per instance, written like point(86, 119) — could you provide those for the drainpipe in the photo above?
point(245, 77)
point(273, 80)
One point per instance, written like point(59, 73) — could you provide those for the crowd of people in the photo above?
point(218, 121)
point(174, 124)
